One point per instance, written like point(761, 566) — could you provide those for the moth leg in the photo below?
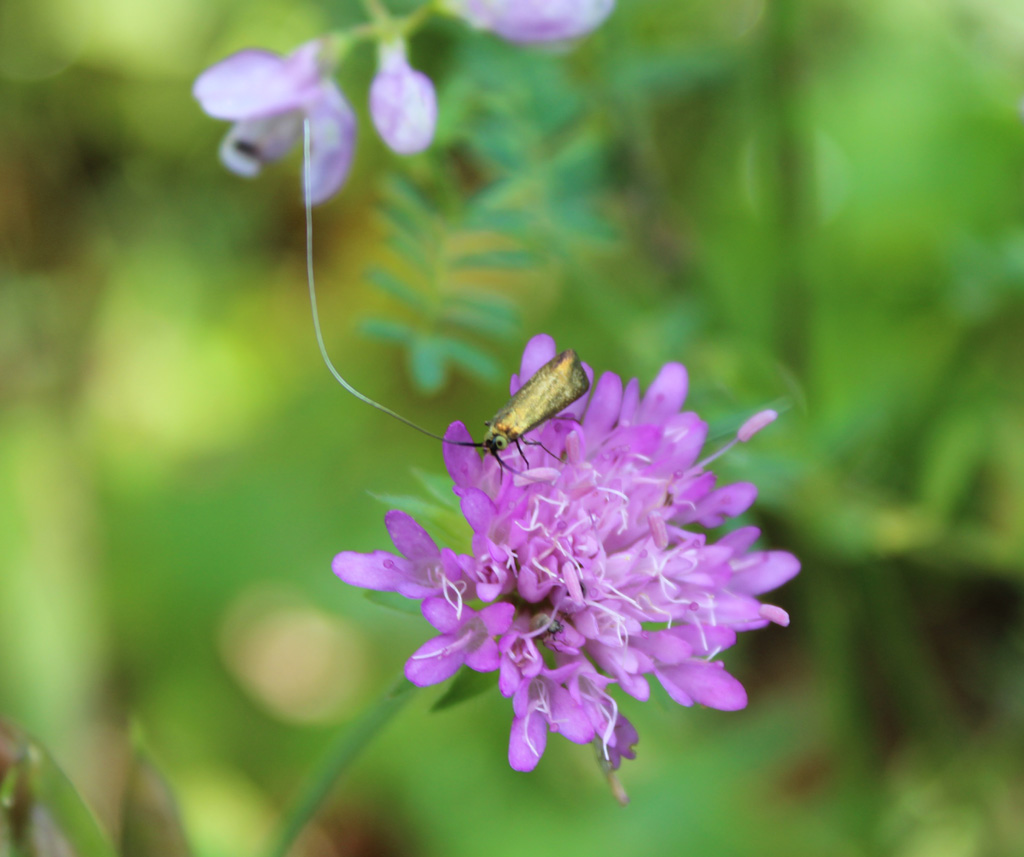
point(519, 446)
point(538, 443)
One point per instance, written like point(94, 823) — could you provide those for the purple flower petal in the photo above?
point(706, 640)
point(478, 509)
point(630, 402)
point(485, 658)
point(434, 662)
point(332, 133)
point(381, 571)
point(462, 462)
point(624, 739)
point(568, 718)
point(740, 540)
point(539, 350)
point(442, 615)
point(665, 396)
point(527, 21)
point(527, 741)
point(253, 84)
point(403, 104)
point(706, 683)
point(764, 571)
point(409, 537)
point(685, 434)
point(727, 502)
point(603, 410)
point(255, 142)
point(498, 617)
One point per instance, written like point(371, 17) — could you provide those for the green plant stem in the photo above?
point(346, 749)
point(376, 10)
point(384, 27)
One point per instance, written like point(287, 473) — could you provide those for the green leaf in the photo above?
point(392, 285)
point(581, 219)
point(481, 323)
point(386, 330)
point(443, 520)
point(427, 364)
point(151, 825)
point(439, 486)
point(415, 506)
point(412, 251)
point(406, 193)
point(403, 223)
point(502, 259)
point(486, 301)
point(56, 821)
point(472, 359)
point(504, 221)
point(466, 684)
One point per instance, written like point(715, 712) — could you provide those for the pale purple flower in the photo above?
point(528, 21)
point(267, 97)
point(595, 565)
point(403, 104)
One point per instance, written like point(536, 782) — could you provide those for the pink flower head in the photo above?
point(402, 102)
point(268, 97)
point(528, 21)
point(597, 552)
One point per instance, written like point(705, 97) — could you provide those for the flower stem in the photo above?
point(346, 749)
point(376, 10)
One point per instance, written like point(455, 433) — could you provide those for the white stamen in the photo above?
point(774, 614)
point(659, 532)
point(614, 491)
point(572, 582)
point(755, 424)
point(573, 449)
point(452, 590)
point(547, 475)
point(543, 569)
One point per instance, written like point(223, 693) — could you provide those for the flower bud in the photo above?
point(402, 102)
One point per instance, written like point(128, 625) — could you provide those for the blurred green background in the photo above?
point(818, 204)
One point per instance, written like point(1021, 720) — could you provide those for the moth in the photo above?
point(550, 390)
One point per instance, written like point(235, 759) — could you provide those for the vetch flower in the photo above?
point(403, 104)
point(528, 21)
point(268, 97)
point(595, 565)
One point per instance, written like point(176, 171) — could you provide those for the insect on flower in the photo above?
point(551, 389)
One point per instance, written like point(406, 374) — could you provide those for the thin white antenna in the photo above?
point(307, 193)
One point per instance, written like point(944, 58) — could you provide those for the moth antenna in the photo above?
point(307, 183)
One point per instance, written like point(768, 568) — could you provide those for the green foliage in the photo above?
point(438, 512)
point(41, 813)
point(464, 686)
point(450, 321)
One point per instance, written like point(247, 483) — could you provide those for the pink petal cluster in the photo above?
point(268, 97)
point(590, 569)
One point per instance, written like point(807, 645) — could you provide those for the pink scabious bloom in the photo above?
point(267, 97)
point(403, 104)
point(594, 564)
point(527, 21)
